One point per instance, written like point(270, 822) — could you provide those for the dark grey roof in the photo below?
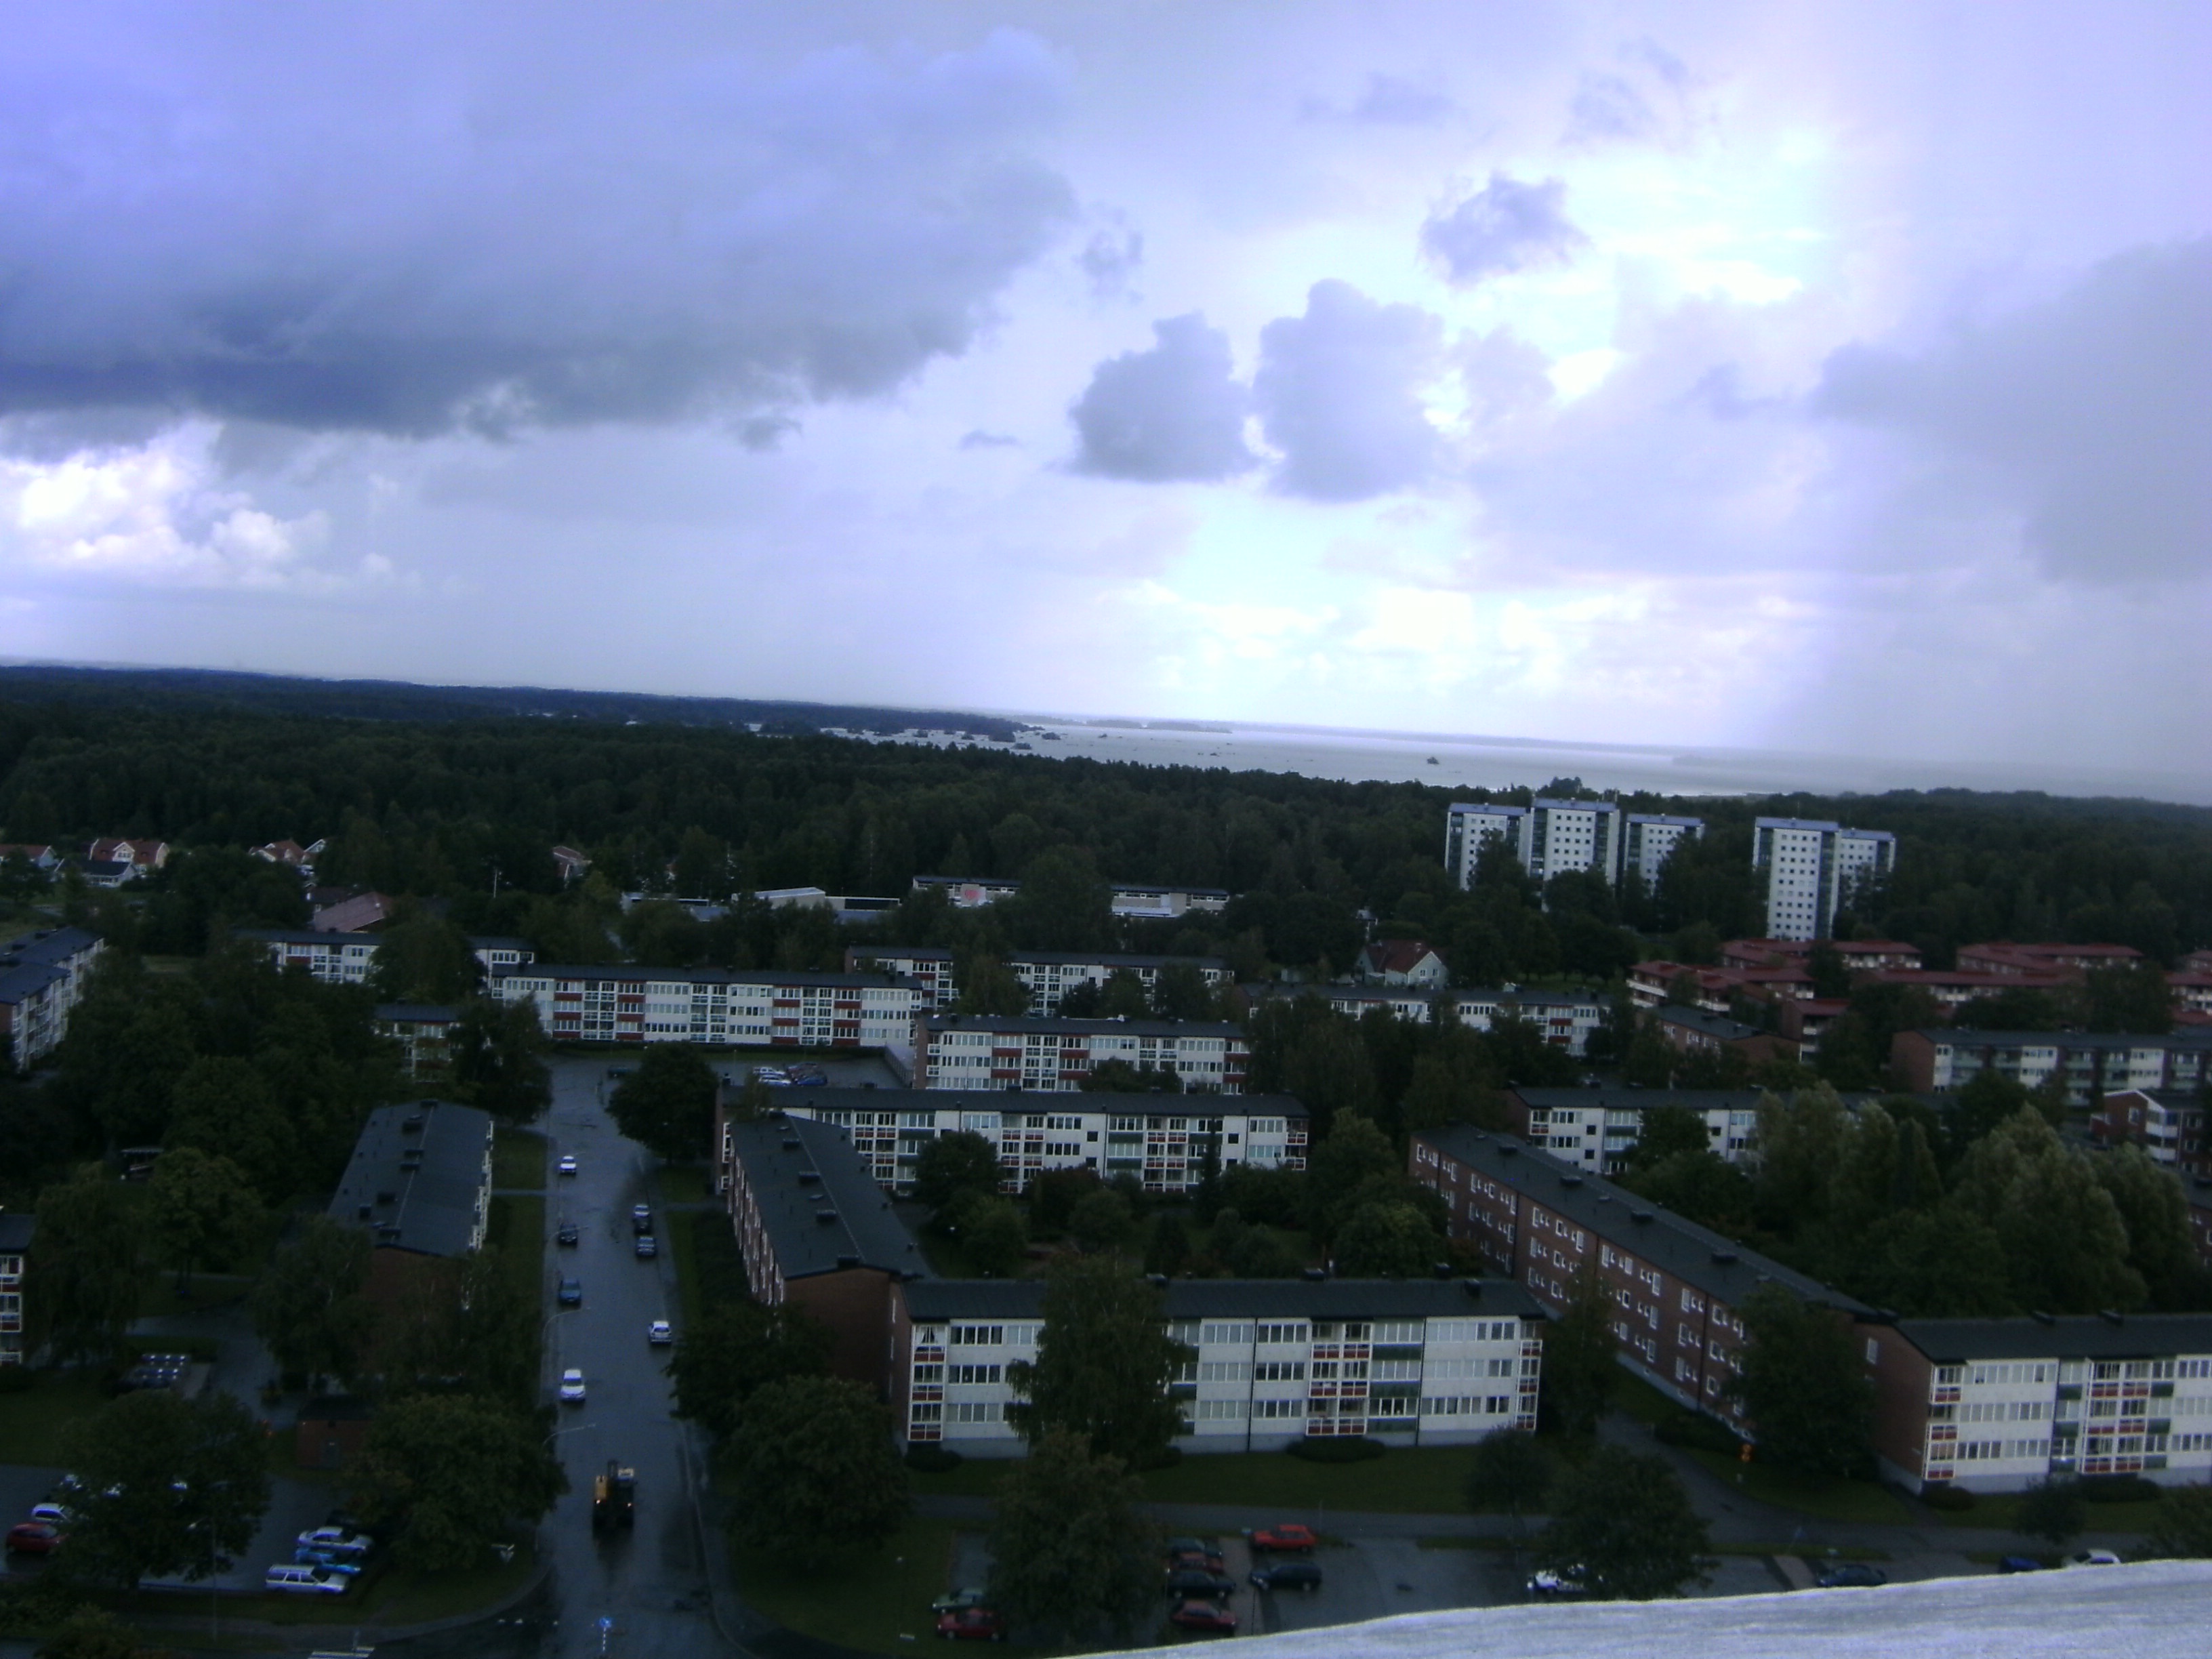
point(416, 1013)
point(1109, 958)
point(305, 936)
point(861, 1231)
point(431, 1208)
point(49, 944)
point(495, 942)
point(1016, 1100)
point(1023, 1024)
point(2186, 1037)
point(1168, 887)
point(627, 970)
point(1618, 1098)
point(2074, 1336)
point(16, 1229)
point(1697, 1256)
point(890, 952)
point(1717, 1026)
point(1247, 1299)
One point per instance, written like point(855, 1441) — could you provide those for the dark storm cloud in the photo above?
point(1337, 391)
point(1175, 413)
point(411, 235)
point(1504, 226)
point(2091, 414)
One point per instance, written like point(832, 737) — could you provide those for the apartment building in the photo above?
point(424, 1032)
point(43, 974)
point(2087, 1065)
point(18, 1230)
point(1566, 1019)
point(2065, 962)
point(1995, 1404)
point(714, 1008)
point(1555, 837)
point(1056, 1055)
point(1469, 827)
point(1649, 840)
point(1656, 983)
point(968, 892)
point(1595, 1129)
point(930, 969)
point(1812, 869)
point(1141, 901)
point(1408, 1362)
point(420, 1181)
point(1049, 975)
point(2166, 1123)
point(816, 1231)
point(1696, 1031)
point(1166, 1141)
point(1858, 956)
point(1677, 1288)
point(333, 958)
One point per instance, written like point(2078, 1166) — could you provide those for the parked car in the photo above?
point(641, 1218)
point(567, 1237)
point(2091, 1558)
point(571, 1293)
point(953, 1600)
point(1187, 1582)
point(1288, 1537)
point(971, 1624)
point(661, 1334)
point(646, 1247)
point(347, 1564)
point(54, 1514)
point(1194, 1552)
point(2019, 1564)
point(34, 1538)
point(1852, 1575)
point(1289, 1575)
point(337, 1540)
point(1546, 1582)
point(571, 1387)
point(566, 1166)
point(296, 1580)
point(1206, 1616)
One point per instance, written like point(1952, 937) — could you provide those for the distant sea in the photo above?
point(1493, 763)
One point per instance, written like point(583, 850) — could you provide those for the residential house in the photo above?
point(1397, 961)
point(348, 912)
point(143, 854)
point(570, 863)
point(38, 855)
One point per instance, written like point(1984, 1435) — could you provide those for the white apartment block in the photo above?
point(930, 969)
point(1054, 1055)
point(333, 958)
point(1419, 1362)
point(1649, 840)
point(1812, 869)
point(1557, 836)
point(1051, 975)
point(1166, 1141)
point(714, 1008)
point(43, 977)
point(1565, 1017)
point(2083, 1066)
point(1469, 827)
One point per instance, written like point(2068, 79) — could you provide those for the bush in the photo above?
point(17, 1379)
point(1942, 1495)
point(2117, 1489)
point(1355, 1449)
point(926, 1459)
point(1166, 1458)
point(1697, 1431)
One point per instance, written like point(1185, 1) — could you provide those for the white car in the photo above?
point(2091, 1558)
point(303, 1580)
point(337, 1540)
point(661, 1334)
point(53, 1515)
point(571, 1387)
point(566, 1166)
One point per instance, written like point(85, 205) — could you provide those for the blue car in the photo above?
point(2019, 1564)
point(329, 1560)
point(571, 1293)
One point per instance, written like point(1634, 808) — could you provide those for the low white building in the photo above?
point(1166, 1141)
point(1409, 1361)
point(1047, 1055)
point(714, 1008)
point(929, 968)
point(333, 958)
point(1566, 1019)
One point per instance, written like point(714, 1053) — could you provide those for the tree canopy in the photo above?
point(1623, 1524)
point(453, 1474)
point(814, 1469)
point(165, 1487)
point(667, 1103)
point(1073, 1558)
point(1103, 1365)
point(734, 1349)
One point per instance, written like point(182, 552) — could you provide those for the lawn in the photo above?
point(518, 1160)
point(685, 1183)
point(1994, 1512)
point(877, 1600)
point(1823, 1499)
point(1424, 1480)
point(677, 1237)
point(31, 1422)
point(158, 1298)
point(517, 1227)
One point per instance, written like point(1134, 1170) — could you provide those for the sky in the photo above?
point(1817, 377)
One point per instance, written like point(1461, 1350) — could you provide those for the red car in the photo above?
point(1291, 1538)
point(971, 1624)
point(1209, 1616)
point(34, 1538)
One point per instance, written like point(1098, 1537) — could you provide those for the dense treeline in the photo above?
point(451, 808)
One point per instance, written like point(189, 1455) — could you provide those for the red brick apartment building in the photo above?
point(1677, 1286)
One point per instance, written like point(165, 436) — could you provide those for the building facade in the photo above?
point(2084, 1066)
point(18, 1229)
point(1469, 827)
point(1812, 869)
point(1648, 840)
point(930, 969)
point(419, 1182)
point(1409, 1361)
point(714, 1008)
point(1566, 1019)
point(43, 976)
point(1166, 1141)
point(1056, 1056)
point(1554, 836)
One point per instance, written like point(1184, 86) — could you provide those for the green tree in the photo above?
point(954, 1165)
point(1579, 1369)
point(1701, 1185)
point(1354, 1151)
point(701, 868)
point(815, 1471)
point(1945, 1263)
point(1262, 1253)
point(2183, 1528)
point(1453, 1081)
point(1103, 1365)
point(735, 1349)
point(1668, 1129)
point(1121, 1077)
point(453, 1474)
point(989, 987)
point(666, 1104)
point(1100, 1221)
point(2131, 997)
point(1623, 1522)
point(91, 1633)
point(1063, 904)
point(1124, 997)
point(1328, 1068)
point(1180, 992)
point(462, 1324)
point(88, 1244)
point(1170, 1249)
point(1807, 1395)
point(424, 958)
point(991, 1230)
point(166, 1488)
point(225, 1106)
point(1510, 1471)
point(1072, 1558)
point(205, 1212)
point(1387, 1241)
point(499, 1060)
point(309, 1307)
point(2052, 1510)
point(1796, 1149)
point(2156, 1213)
point(2066, 1244)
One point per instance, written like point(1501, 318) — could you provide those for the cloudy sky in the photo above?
point(1830, 377)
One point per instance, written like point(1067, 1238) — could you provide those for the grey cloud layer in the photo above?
point(1172, 414)
point(1504, 226)
point(1336, 389)
point(2091, 415)
point(703, 234)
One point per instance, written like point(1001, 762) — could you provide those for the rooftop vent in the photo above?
point(1570, 1181)
point(1473, 1287)
point(1725, 1258)
point(1314, 1275)
point(387, 1198)
point(411, 1160)
point(364, 1212)
point(1639, 1215)
point(387, 1234)
point(2041, 1317)
point(848, 1261)
point(809, 1177)
point(1160, 1281)
point(791, 1143)
point(1507, 1150)
point(825, 1217)
point(411, 1125)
